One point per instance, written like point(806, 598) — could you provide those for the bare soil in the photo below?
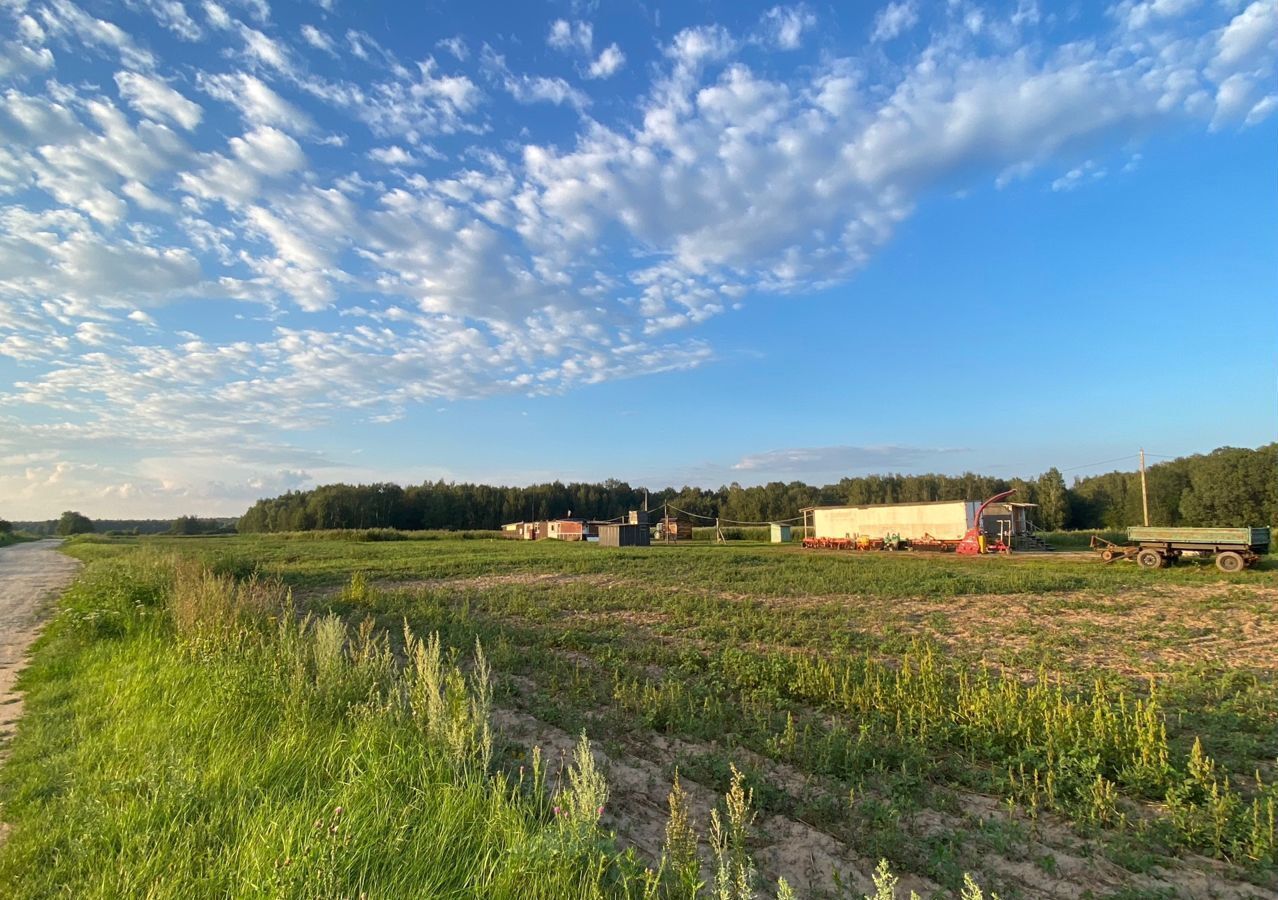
point(31, 576)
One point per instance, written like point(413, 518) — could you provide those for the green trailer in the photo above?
point(1156, 548)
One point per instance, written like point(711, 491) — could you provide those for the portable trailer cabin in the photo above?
point(780, 533)
point(567, 529)
point(528, 531)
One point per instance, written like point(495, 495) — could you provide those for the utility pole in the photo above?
point(1144, 489)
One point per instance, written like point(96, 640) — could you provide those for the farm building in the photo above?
point(555, 529)
point(623, 535)
point(943, 519)
point(670, 529)
point(1007, 520)
point(526, 531)
point(570, 529)
point(780, 533)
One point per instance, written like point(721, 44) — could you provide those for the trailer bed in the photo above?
point(1154, 548)
point(1250, 538)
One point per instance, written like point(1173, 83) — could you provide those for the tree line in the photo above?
point(1228, 486)
point(74, 522)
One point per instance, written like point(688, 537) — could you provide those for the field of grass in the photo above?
point(1054, 726)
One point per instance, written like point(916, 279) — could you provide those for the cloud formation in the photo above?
point(394, 231)
point(818, 462)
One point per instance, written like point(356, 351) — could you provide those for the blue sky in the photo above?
point(250, 247)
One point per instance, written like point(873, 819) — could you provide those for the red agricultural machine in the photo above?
point(974, 543)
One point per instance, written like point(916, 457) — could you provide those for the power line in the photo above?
point(1101, 462)
point(723, 521)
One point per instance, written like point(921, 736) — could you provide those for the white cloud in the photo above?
point(894, 20)
point(172, 15)
point(455, 45)
point(1262, 110)
point(837, 460)
point(260, 10)
point(408, 106)
point(64, 18)
point(526, 261)
point(266, 50)
point(268, 150)
point(692, 47)
point(783, 26)
point(262, 154)
point(533, 88)
point(392, 156)
point(217, 15)
point(256, 101)
point(1078, 176)
point(17, 56)
point(153, 97)
point(608, 63)
point(319, 40)
point(571, 36)
point(29, 29)
point(1250, 33)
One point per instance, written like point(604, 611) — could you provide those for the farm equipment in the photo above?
point(827, 543)
point(927, 542)
point(1156, 548)
point(974, 542)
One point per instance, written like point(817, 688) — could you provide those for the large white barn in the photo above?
point(942, 519)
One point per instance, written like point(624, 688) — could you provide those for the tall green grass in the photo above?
point(188, 735)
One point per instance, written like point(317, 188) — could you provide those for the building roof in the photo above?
point(881, 505)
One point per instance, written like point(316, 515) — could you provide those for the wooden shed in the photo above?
point(624, 535)
point(671, 529)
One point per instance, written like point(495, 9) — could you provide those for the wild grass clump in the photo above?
point(375, 535)
point(207, 745)
point(115, 597)
point(1101, 757)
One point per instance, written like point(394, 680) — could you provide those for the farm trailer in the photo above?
point(1155, 548)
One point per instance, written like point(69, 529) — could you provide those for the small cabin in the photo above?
point(624, 535)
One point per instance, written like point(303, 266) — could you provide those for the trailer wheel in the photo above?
point(1150, 559)
point(1107, 555)
point(1229, 561)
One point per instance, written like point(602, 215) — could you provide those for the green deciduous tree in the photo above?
point(1052, 500)
point(72, 522)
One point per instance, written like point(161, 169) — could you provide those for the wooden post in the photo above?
point(1144, 489)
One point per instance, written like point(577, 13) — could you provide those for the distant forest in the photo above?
point(180, 525)
point(1228, 486)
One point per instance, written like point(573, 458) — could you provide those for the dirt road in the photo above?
point(31, 576)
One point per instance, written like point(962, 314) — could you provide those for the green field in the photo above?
point(1051, 725)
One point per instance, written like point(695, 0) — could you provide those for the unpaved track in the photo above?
point(31, 577)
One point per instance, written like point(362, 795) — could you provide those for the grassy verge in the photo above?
point(9, 538)
point(183, 739)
